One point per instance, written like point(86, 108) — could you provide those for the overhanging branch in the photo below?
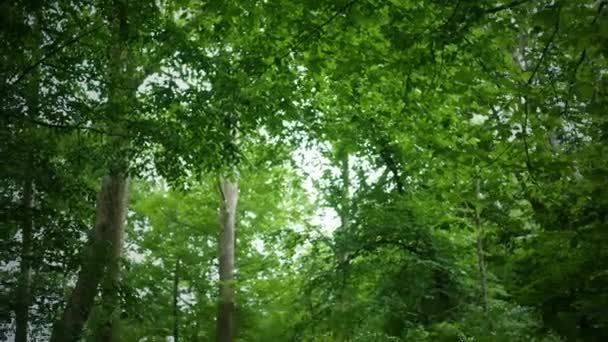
point(53, 52)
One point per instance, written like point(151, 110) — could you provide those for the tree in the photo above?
point(228, 202)
point(104, 250)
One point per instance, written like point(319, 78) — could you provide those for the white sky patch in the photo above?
point(312, 164)
point(181, 78)
point(10, 266)
point(259, 245)
point(134, 255)
point(186, 299)
point(327, 219)
point(478, 119)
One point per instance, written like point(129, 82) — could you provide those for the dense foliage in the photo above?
point(376, 170)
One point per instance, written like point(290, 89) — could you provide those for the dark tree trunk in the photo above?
point(24, 286)
point(109, 226)
point(110, 286)
point(225, 317)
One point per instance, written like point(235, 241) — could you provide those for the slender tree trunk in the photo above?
point(24, 285)
point(342, 332)
point(109, 227)
point(343, 208)
point(345, 205)
point(194, 337)
point(175, 301)
point(480, 255)
point(225, 317)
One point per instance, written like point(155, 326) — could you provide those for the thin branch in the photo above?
point(71, 72)
point(319, 28)
point(303, 37)
point(374, 245)
point(499, 155)
point(546, 48)
point(73, 127)
point(53, 52)
point(582, 57)
point(510, 5)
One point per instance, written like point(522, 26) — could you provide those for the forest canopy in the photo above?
point(282, 170)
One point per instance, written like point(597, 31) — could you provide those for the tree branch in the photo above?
point(509, 5)
point(53, 52)
point(303, 37)
point(546, 48)
point(319, 28)
point(373, 245)
point(582, 57)
point(72, 127)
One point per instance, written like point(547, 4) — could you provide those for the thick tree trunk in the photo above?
point(225, 317)
point(110, 295)
point(105, 241)
point(101, 262)
point(175, 302)
point(24, 286)
point(119, 77)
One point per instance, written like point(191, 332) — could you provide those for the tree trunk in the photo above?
point(119, 77)
point(110, 286)
point(480, 255)
point(175, 301)
point(103, 246)
point(342, 332)
point(345, 203)
point(24, 285)
point(101, 262)
point(225, 317)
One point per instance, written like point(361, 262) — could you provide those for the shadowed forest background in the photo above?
point(283, 170)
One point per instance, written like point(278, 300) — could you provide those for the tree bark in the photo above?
point(104, 242)
point(24, 284)
point(225, 318)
